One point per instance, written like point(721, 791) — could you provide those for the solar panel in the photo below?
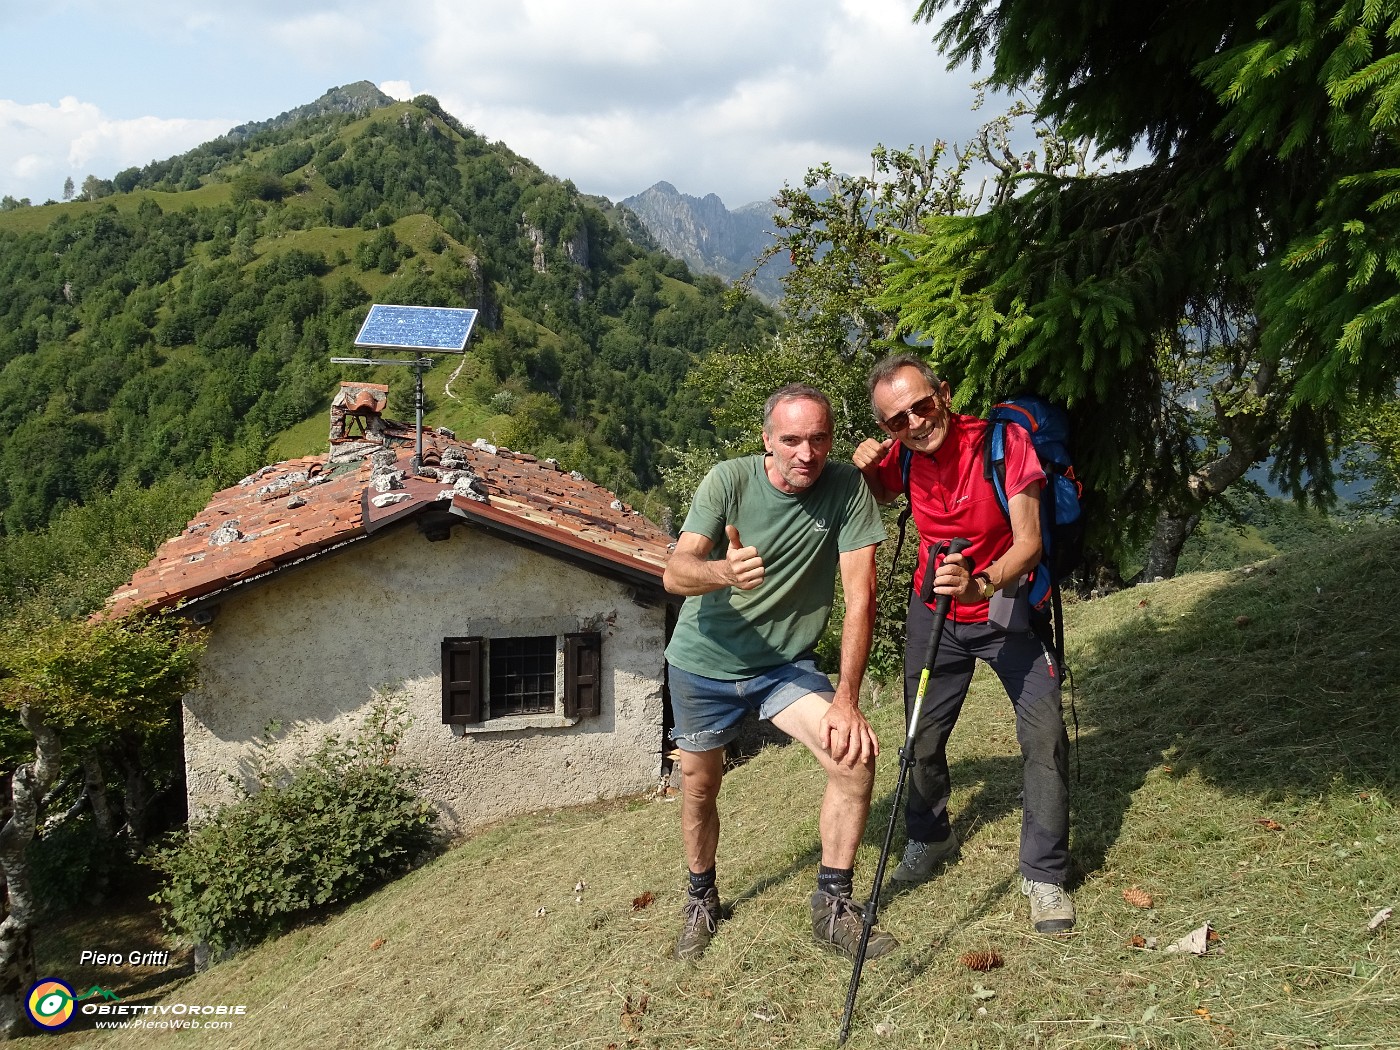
point(441, 328)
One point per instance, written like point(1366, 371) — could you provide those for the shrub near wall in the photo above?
point(301, 840)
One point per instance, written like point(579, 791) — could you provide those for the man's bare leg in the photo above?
point(837, 921)
point(701, 775)
point(846, 802)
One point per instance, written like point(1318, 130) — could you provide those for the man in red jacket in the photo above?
point(951, 496)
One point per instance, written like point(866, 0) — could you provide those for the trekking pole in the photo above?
point(906, 761)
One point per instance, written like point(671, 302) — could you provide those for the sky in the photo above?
point(733, 97)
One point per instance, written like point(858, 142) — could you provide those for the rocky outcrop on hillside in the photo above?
point(708, 236)
point(357, 98)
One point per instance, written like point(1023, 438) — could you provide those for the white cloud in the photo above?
point(139, 141)
point(726, 96)
point(322, 37)
point(712, 95)
point(74, 139)
point(31, 165)
point(566, 57)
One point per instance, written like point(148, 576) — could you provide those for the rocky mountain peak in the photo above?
point(358, 98)
point(708, 236)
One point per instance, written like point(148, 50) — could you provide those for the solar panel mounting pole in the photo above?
point(444, 329)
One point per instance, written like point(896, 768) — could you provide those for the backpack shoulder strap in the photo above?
point(1043, 589)
point(906, 462)
point(994, 463)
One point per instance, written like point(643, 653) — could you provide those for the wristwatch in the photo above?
point(984, 584)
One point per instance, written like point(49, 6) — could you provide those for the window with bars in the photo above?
point(522, 676)
point(486, 678)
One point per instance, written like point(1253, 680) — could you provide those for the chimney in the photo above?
point(358, 411)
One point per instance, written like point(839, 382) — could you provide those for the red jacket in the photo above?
point(951, 496)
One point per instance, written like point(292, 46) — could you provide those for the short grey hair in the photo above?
point(796, 392)
point(886, 369)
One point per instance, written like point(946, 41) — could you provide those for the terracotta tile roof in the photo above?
point(291, 511)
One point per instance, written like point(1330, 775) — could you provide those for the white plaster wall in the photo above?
point(311, 649)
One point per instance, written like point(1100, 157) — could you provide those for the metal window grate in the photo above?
point(522, 676)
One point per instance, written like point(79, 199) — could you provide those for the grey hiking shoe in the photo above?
point(838, 922)
point(921, 859)
point(701, 915)
point(1052, 908)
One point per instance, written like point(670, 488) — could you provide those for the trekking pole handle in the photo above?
point(940, 616)
point(945, 601)
point(955, 546)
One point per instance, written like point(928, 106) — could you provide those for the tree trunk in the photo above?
point(95, 784)
point(27, 787)
point(1246, 435)
point(1169, 536)
point(138, 798)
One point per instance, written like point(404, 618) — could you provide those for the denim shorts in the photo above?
point(708, 710)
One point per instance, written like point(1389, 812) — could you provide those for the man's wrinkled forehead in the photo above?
point(781, 424)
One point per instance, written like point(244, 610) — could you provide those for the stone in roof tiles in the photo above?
point(262, 531)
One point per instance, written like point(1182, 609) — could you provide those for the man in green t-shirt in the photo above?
point(757, 558)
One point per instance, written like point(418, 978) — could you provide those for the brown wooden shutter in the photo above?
point(582, 675)
point(462, 681)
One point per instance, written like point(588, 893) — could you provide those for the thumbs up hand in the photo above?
point(870, 453)
point(743, 564)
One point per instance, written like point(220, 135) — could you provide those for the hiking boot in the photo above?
point(921, 859)
point(1052, 908)
point(838, 921)
point(701, 915)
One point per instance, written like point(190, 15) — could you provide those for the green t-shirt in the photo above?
point(732, 633)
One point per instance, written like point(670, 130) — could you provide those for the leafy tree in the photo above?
point(1245, 262)
point(69, 567)
point(68, 188)
point(95, 188)
point(126, 180)
point(1373, 456)
point(837, 231)
point(76, 686)
point(258, 186)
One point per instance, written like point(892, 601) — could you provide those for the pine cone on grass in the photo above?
point(981, 961)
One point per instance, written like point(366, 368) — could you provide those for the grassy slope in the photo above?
point(1207, 706)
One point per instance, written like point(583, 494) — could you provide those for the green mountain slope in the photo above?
point(183, 321)
point(1239, 763)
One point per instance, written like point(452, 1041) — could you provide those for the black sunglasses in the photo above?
point(924, 408)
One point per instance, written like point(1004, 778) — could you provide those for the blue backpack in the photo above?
point(1061, 510)
point(1061, 513)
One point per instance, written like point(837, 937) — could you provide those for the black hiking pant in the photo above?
point(1028, 671)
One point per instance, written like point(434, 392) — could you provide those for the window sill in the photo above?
point(509, 723)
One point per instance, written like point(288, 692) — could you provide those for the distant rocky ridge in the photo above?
point(358, 98)
point(708, 236)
